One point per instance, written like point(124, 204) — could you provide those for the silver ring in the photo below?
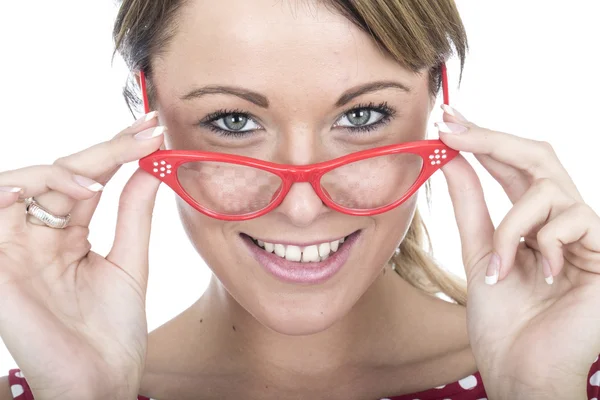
point(39, 212)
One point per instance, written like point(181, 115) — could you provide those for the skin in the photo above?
point(365, 332)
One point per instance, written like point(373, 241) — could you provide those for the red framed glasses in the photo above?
point(236, 188)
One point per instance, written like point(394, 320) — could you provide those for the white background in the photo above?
point(532, 71)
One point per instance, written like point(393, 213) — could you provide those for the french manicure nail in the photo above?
point(450, 127)
point(88, 183)
point(10, 189)
point(454, 112)
point(150, 133)
point(547, 271)
point(493, 270)
point(146, 118)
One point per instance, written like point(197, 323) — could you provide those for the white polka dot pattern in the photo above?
point(468, 383)
point(16, 390)
point(595, 379)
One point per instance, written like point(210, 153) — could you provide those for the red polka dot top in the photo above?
point(468, 388)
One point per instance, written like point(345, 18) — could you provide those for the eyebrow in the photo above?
point(262, 101)
point(245, 94)
point(368, 88)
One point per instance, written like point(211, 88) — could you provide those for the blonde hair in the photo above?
point(419, 34)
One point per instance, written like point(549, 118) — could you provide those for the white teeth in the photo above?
point(312, 253)
point(324, 249)
point(292, 253)
point(334, 245)
point(269, 247)
point(280, 250)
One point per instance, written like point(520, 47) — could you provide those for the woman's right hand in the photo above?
point(75, 321)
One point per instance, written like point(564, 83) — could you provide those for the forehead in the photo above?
point(272, 43)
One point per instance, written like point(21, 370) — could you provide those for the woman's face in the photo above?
point(292, 70)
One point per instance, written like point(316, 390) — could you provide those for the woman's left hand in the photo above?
point(536, 332)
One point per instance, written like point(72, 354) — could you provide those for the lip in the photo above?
point(311, 273)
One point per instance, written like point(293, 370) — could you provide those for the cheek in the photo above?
point(390, 230)
point(206, 234)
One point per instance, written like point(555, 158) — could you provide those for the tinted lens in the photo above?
point(228, 189)
point(373, 182)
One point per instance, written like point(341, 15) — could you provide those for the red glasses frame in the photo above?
point(163, 164)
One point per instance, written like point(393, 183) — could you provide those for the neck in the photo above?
point(371, 336)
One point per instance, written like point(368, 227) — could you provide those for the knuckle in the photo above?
point(545, 149)
point(584, 209)
point(545, 236)
point(62, 162)
point(548, 188)
point(63, 166)
point(58, 171)
point(542, 154)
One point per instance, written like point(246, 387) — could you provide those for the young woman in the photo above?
point(294, 135)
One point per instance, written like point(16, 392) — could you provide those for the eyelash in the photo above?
point(382, 108)
point(207, 122)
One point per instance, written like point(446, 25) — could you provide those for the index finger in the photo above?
point(101, 161)
point(536, 159)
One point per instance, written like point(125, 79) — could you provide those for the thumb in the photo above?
point(132, 236)
point(475, 225)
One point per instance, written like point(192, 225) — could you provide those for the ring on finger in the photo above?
point(34, 209)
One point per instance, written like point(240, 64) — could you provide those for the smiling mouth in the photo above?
point(313, 253)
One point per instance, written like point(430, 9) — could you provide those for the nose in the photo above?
point(301, 205)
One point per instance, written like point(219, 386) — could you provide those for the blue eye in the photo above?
point(236, 122)
point(365, 118)
point(359, 117)
point(230, 123)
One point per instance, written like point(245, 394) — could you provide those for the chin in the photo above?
point(303, 321)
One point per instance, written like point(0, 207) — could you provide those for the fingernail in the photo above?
point(454, 112)
point(493, 270)
point(547, 271)
point(10, 189)
point(450, 127)
point(146, 118)
point(88, 183)
point(150, 133)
